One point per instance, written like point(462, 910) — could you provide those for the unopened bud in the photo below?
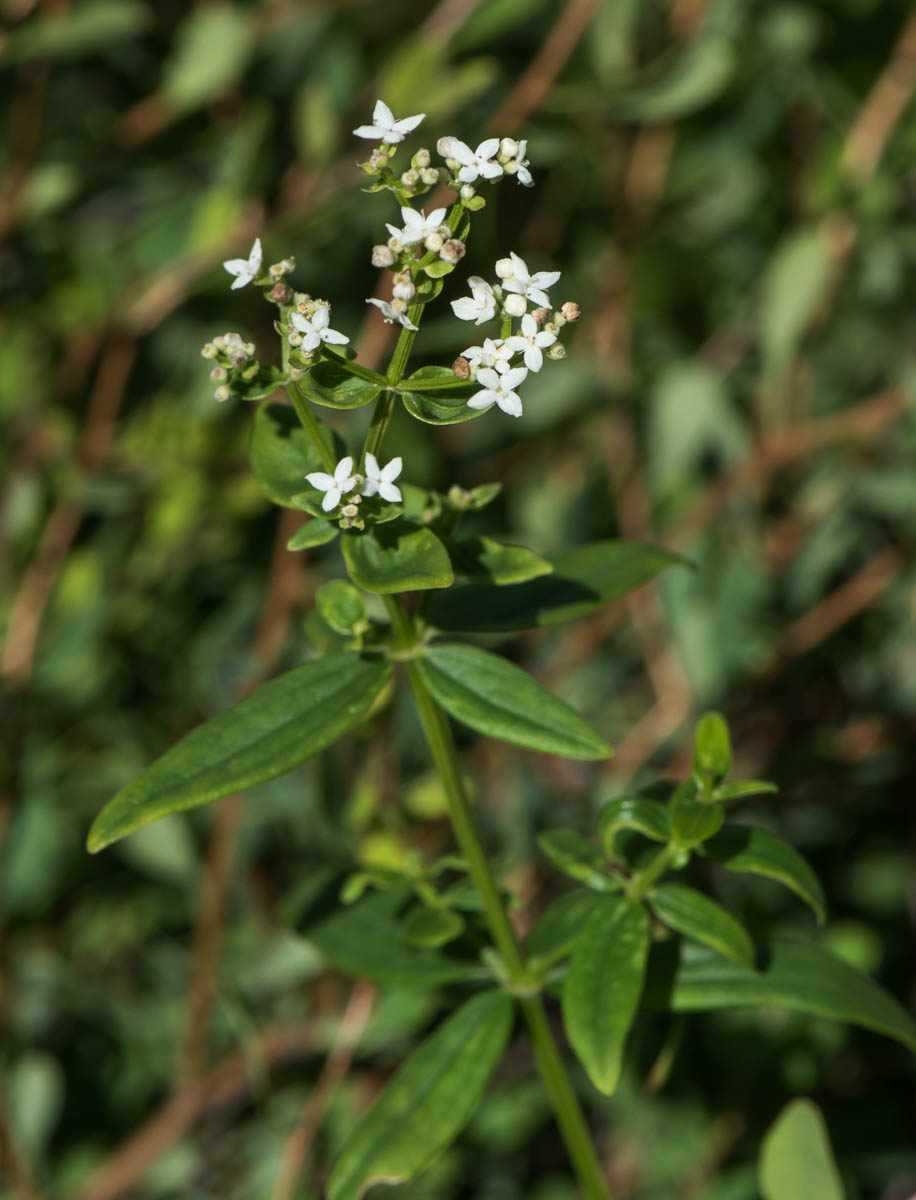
point(349, 511)
point(279, 293)
point(557, 321)
point(515, 305)
point(218, 343)
point(232, 339)
point(556, 351)
point(420, 159)
point(540, 315)
point(461, 368)
point(468, 192)
point(239, 358)
point(395, 245)
point(429, 176)
point(458, 497)
point(551, 327)
point(453, 250)
point(294, 337)
point(296, 372)
point(209, 351)
point(571, 310)
point(509, 147)
point(405, 290)
point(511, 167)
point(219, 375)
point(410, 178)
point(382, 256)
point(398, 305)
point(434, 241)
point(221, 393)
point(505, 268)
point(378, 160)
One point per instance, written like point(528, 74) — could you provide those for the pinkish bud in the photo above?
point(461, 368)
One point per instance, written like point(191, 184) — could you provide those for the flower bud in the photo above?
point(515, 305)
point(540, 315)
point(382, 256)
point(349, 511)
point(461, 368)
point(294, 337)
point(395, 245)
point(221, 393)
point(429, 176)
point(509, 147)
point(404, 290)
point(209, 351)
point(377, 161)
point(557, 321)
point(505, 268)
point(238, 359)
point(571, 310)
point(550, 327)
point(232, 339)
point(434, 241)
point(468, 192)
point(398, 305)
point(296, 372)
point(219, 375)
point(410, 178)
point(453, 250)
point(458, 497)
point(279, 293)
point(420, 159)
point(556, 351)
point(218, 342)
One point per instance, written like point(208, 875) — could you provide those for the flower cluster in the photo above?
point(345, 489)
point(234, 359)
point(308, 327)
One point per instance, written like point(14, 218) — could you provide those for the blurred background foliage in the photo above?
point(728, 188)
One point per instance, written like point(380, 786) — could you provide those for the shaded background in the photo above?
point(728, 188)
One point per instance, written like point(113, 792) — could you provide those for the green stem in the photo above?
point(310, 425)
point(570, 1119)
point(378, 426)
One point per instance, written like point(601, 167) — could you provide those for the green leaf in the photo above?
point(263, 383)
point(796, 1158)
point(274, 729)
point(211, 50)
point(316, 532)
point(603, 985)
point(689, 912)
point(432, 927)
point(342, 606)
point(445, 407)
point(438, 267)
point(332, 385)
point(282, 453)
point(367, 941)
point(431, 1098)
point(70, 33)
point(486, 493)
point(437, 379)
point(712, 747)
point(483, 560)
point(396, 557)
point(558, 930)
point(577, 857)
point(795, 282)
point(747, 848)
point(692, 821)
point(800, 976)
point(582, 580)
point(502, 701)
point(741, 788)
point(647, 817)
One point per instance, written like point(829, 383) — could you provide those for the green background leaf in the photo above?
point(796, 1159)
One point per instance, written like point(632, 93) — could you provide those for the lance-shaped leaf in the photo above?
point(558, 930)
point(432, 927)
point(367, 940)
point(577, 857)
point(712, 747)
point(797, 975)
point(332, 385)
point(647, 817)
point(689, 912)
point(282, 453)
point(397, 557)
point(582, 580)
point(740, 789)
point(437, 379)
point(796, 1158)
point(274, 729)
point(502, 701)
point(752, 850)
point(482, 559)
point(428, 1102)
point(603, 985)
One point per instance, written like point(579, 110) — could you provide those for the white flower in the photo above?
point(382, 479)
point(474, 163)
point(245, 269)
point(334, 486)
point(480, 306)
point(495, 354)
point(385, 127)
point(530, 286)
point(521, 166)
point(499, 389)
point(316, 331)
point(391, 313)
point(531, 341)
point(416, 225)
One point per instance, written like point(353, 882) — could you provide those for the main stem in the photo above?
point(563, 1099)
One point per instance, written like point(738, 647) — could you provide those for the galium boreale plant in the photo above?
point(631, 933)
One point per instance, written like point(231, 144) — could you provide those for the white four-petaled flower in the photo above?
point(390, 313)
point(381, 479)
point(530, 342)
point(245, 269)
point(417, 227)
point(480, 306)
point(385, 128)
point(532, 287)
point(493, 353)
point(334, 486)
point(521, 166)
point(499, 389)
point(473, 163)
point(316, 330)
